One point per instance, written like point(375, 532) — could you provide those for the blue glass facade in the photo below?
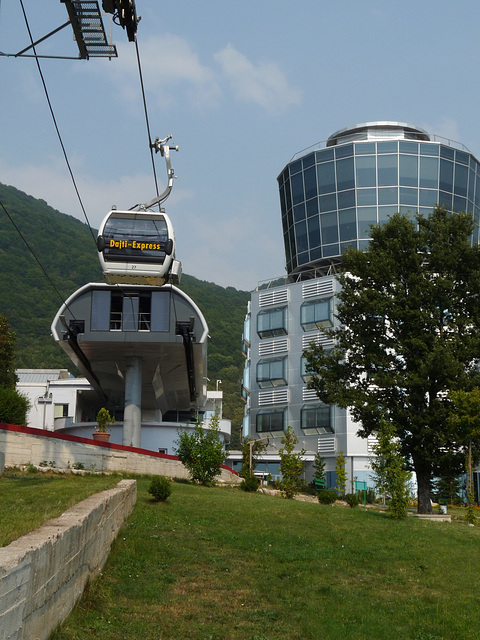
point(331, 196)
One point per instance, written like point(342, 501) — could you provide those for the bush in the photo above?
point(201, 451)
point(13, 407)
point(250, 483)
point(327, 496)
point(160, 488)
point(351, 499)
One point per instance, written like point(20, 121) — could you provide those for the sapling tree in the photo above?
point(319, 470)
point(341, 474)
point(291, 464)
point(407, 332)
point(465, 419)
point(391, 471)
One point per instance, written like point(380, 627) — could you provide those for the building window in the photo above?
point(316, 314)
point(316, 418)
point(306, 376)
point(100, 313)
point(60, 411)
point(303, 370)
point(272, 323)
point(271, 420)
point(272, 373)
point(116, 304)
point(144, 312)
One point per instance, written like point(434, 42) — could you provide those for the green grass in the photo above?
point(223, 564)
point(29, 500)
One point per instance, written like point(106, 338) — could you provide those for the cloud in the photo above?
point(263, 84)
point(169, 68)
point(172, 72)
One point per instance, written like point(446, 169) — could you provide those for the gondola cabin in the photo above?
point(136, 247)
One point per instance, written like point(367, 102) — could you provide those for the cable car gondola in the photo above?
point(138, 247)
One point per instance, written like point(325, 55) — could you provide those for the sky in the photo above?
point(242, 87)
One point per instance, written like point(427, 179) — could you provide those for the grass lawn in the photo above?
point(29, 500)
point(222, 564)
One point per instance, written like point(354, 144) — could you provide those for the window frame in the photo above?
point(271, 382)
point(319, 323)
point(319, 426)
point(271, 413)
point(272, 332)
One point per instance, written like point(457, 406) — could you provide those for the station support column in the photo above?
point(132, 419)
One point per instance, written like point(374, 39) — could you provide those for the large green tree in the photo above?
point(408, 332)
point(8, 377)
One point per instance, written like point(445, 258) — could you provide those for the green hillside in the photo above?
point(67, 252)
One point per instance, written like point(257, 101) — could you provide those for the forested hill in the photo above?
point(67, 252)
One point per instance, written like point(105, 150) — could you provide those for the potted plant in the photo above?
point(104, 420)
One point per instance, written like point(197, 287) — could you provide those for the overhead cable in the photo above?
point(56, 126)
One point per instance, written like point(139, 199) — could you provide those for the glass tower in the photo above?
point(330, 196)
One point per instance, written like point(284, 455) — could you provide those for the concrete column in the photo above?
point(132, 419)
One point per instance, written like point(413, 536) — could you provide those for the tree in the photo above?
point(8, 378)
point(291, 464)
point(319, 470)
point(465, 418)
point(391, 471)
point(14, 407)
point(341, 474)
point(201, 451)
point(408, 333)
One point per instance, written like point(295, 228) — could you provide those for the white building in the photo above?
point(330, 194)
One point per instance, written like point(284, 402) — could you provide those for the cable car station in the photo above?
point(139, 340)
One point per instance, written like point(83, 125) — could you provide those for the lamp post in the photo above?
point(250, 444)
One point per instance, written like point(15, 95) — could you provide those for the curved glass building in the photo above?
point(331, 193)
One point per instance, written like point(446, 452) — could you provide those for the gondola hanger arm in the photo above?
point(164, 149)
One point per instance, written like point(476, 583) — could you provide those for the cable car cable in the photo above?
point(56, 126)
point(146, 116)
point(36, 259)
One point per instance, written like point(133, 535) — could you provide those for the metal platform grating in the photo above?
point(87, 23)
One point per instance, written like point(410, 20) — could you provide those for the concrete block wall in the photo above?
point(24, 445)
point(44, 573)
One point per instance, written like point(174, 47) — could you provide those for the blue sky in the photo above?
point(242, 86)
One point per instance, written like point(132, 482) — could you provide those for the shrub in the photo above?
point(327, 496)
point(201, 451)
point(250, 483)
point(13, 407)
point(351, 499)
point(160, 488)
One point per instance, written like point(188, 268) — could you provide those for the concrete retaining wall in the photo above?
point(24, 445)
point(44, 573)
